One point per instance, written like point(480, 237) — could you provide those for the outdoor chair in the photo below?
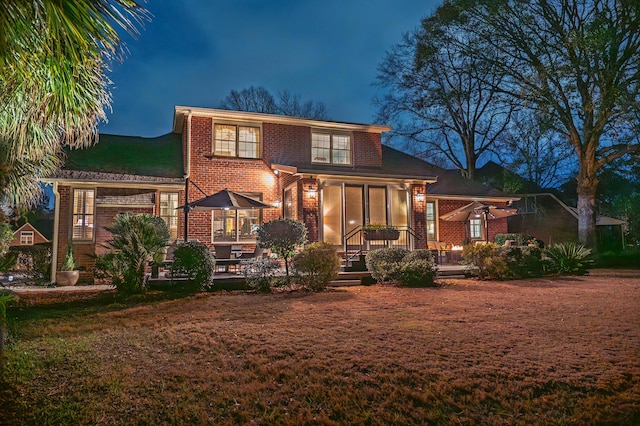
point(224, 258)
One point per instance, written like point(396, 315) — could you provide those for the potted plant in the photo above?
point(380, 232)
point(68, 274)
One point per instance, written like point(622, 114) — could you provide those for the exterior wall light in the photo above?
point(311, 192)
point(277, 203)
point(420, 196)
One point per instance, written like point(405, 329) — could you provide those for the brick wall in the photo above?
point(419, 216)
point(367, 149)
point(454, 232)
point(286, 144)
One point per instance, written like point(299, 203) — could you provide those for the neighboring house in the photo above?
point(333, 176)
point(546, 217)
point(27, 235)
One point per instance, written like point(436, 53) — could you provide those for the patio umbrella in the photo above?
point(222, 200)
point(226, 200)
point(478, 209)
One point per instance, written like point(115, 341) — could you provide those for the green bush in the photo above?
point(317, 265)
point(136, 241)
point(568, 259)
point(483, 258)
point(416, 272)
point(520, 262)
point(520, 239)
point(194, 260)
point(629, 258)
point(420, 254)
point(260, 273)
point(5, 299)
point(382, 263)
point(283, 237)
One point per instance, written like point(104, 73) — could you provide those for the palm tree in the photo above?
point(53, 85)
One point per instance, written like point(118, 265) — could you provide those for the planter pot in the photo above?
point(67, 278)
point(381, 234)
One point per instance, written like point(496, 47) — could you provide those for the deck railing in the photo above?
point(355, 243)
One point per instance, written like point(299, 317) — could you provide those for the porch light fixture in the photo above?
point(277, 203)
point(420, 197)
point(311, 192)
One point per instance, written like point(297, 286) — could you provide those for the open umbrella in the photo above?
point(227, 200)
point(221, 200)
point(478, 209)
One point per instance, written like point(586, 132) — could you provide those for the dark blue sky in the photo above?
point(194, 52)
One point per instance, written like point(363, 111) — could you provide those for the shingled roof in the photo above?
point(127, 158)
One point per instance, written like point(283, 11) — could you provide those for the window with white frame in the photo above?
point(236, 225)
point(230, 140)
point(169, 211)
point(475, 228)
point(83, 214)
point(26, 238)
point(331, 148)
point(431, 220)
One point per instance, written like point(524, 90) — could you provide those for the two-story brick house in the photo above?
point(333, 176)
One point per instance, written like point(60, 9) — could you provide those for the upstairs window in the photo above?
point(230, 140)
point(26, 238)
point(83, 206)
point(330, 148)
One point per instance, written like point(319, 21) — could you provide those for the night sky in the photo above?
point(194, 52)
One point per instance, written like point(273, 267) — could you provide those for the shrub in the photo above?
point(318, 264)
point(568, 258)
point(282, 237)
point(519, 262)
point(629, 258)
point(137, 240)
point(382, 263)
point(69, 263)
point(483, 257)
point(420, 254)
point(260, 272)
point(194, 260)
point(418, 272)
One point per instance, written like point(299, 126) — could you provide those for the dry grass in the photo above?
point(543, 351)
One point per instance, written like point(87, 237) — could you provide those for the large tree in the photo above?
point(53, 85)
point(537, 153)
point(577, 64)
point(259, 99)
point(440, 100)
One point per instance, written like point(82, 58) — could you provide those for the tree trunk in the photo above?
point(586, 211)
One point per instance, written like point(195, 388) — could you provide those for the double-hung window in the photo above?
point(83, 214)
point(26, 238)
point(431, 220)
point(230, 140)
point(236, 225)
point(475, 229)
point(331, 148)
point(169, 211)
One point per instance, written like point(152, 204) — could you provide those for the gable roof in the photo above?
point(452, 185)
point(28, 227)
point(127, 158)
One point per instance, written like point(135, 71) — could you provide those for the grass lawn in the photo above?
point(541, 351)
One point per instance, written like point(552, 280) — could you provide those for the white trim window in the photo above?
point(26, 238)
point(169, 211)
point(475, 229)
point(431, 221)
point(230, 140)
point(236, 225)
point(83, 214)
point(329, 148)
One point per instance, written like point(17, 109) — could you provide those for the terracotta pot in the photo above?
point(67, 278)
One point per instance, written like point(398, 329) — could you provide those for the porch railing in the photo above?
point(356, 245)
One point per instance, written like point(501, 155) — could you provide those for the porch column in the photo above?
point(309, 194)
point(419, 215)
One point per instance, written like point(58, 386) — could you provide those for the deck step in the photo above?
point(344, 283)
